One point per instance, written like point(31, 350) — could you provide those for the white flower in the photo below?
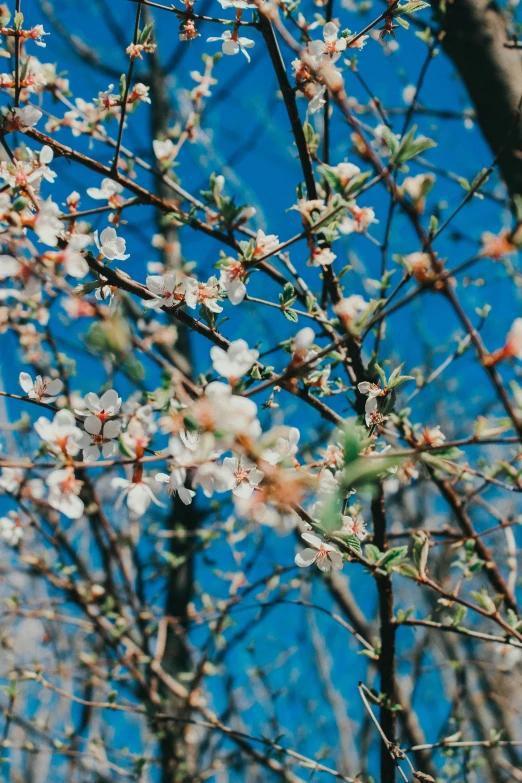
point(176, 484)
point(212, 477)
point(359, 222)
point(355, 527)
point(419, 265)
point(513, 346)
point(350, 309)
point(230, 413)
point(11, 530)
point(232, 280)
point(105, 293)
point(97, 434)
point(317, 102)
point(22, 119)
point(433, 436)
point(345, 172)
point(163, 150)
point(47, 224)
point(322, 257)
point(409, 93)
point(237, 360)
point(40, 389)
point(331, 47)
point(304, 338)
point(36, 33)
point(61, 434)
point(11, 478)
point(111, 245)
point(373, 416)
point(138, 493)
point(108, 404)
point(237, 4)
point(190, 439)
point(244, 477)
point(64, 489)
point(370, 389)
point(325, 556)
point(43, 171)
point(265, 244)
point(164, 289)
point(109, 188)
point(9, 267)
point(328, 482)
point(233, 46)
point(282, 448)
point(207, 294)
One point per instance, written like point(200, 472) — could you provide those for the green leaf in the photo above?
point(291, 315)
point(421, 548)
point(372, 552)
point(460, 613)
point(410, 8)
point(352, 541)
point(356, 183)
point(484, 600)
point(403, 614)
point(145, 34)
point(392, 557)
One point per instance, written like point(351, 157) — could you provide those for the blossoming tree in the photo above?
point(261, 425)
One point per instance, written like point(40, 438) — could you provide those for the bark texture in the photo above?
point(475, 38)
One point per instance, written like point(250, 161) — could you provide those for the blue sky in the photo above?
point(248, 140)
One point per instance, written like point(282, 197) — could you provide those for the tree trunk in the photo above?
point(475, 37)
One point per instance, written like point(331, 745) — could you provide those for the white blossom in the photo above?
point(282, 447)
point(98, 435)
point(230, 413)
point(325, 556)
point(139, 494)
point(9, 267)
point(355, 526)
point(330, 47)
point(237, 360)
point(21, 119)
point(163, 150)
point(166, 290)
point(61, 434)
point(110, 245)
point(64, 489)
point(175, 482)
point(44, 390)
point(207, 294)
point(11, 530)
point(109, 188)
point(244, 476)
point(47, 224)
point(232, 280)
point(232, 45)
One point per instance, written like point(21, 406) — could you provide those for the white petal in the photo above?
point(336, 560)
point(109, 450)
point(330, 31)
point(92, 425)
point(54, 387)
point(111, 429)
point(305, 558)
point(312, 539)
point(91, 454)
point(110, 400)
point(25, 381)
point(93, 402)
point(138, 499)
point(9, 267)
